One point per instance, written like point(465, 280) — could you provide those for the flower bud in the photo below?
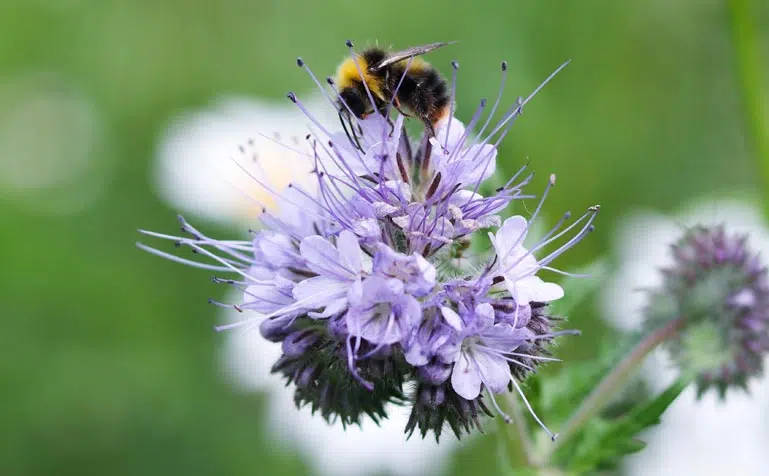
point(720, 289)
point(299, 342)
point(434, 373)
point(274, 329)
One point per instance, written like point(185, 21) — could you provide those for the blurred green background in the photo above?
point(107, 357)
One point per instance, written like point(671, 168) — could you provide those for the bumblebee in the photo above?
point(400, 79)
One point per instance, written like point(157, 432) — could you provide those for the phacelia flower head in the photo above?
point(720, 289)
point(350, 276)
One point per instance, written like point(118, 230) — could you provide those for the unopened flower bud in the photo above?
point(720, 290)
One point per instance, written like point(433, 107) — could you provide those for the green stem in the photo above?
point(519, 443)
point(748, 64)
point(609, 386)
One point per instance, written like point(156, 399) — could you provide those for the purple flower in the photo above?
point(460, 162)
point(353, 274)
point(416, 273)
point(381, 311)
point(337, 267)
point(483, 361)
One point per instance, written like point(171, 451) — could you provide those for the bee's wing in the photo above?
point(408, 53)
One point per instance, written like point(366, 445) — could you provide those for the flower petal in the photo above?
point(510, 235)
point(484, 314)
point(377, 326)
point(332, 308)
point(319, 292)
point(532, 288)
point(349, 251)
point(322, 257)
point(465, 378)
point(265, 298)
point(482, 163)
point(449, 134)
point(494, 371)
point(452, 318)
point(276, 248)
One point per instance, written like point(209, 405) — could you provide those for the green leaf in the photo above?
point(603, 442)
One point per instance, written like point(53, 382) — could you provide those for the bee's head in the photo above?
point(355, 99)
point(352, 102)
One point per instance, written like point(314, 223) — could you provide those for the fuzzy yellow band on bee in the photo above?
point(347, 75)
point(415, 64)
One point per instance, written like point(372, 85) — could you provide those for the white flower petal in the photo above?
point(462, 197)
point(428, 271)
point(494, 371)
point(532, 288)
point(465, 378)
point(334, 307)
point(452, 318)
point(377, 327)
point(277, 247)
point(510, 235)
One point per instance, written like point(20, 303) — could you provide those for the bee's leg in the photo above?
point(429, 129)
point(353, 138)
point(397, 106)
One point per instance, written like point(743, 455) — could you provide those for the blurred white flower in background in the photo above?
point(202, 157)
point(195, 174)
point(705, 437)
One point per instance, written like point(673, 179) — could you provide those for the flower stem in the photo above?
point(748, 64)
point(612, 382)
point(519, 445)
